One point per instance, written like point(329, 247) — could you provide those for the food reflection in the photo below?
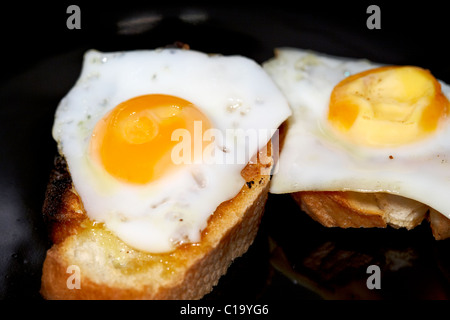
point(334, 263)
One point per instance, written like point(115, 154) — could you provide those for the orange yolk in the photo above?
point(388, 106)
point(133, 142)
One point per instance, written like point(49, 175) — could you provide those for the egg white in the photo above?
point(157, 216)
point(314, 159)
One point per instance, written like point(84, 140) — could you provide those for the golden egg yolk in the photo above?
point(133, 142)
point(388, 106)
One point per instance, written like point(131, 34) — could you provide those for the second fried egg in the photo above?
point(360, 126)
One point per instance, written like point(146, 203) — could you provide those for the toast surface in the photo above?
point(110, 269)
point(368, 210)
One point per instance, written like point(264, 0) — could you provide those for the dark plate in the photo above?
point(293, 257)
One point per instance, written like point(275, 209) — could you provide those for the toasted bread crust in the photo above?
point(440, 225)
point(334, 209)
point(368, 210)
point(195, 268)
point(63, 211)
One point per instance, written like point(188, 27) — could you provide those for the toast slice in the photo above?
point(110, 269)
point(368, 210)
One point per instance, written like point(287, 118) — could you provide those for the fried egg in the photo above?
point(362, 126)
point(123, 126)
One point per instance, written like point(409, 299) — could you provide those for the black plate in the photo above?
point(293, 257)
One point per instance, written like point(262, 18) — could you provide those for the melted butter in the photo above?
point(130, 261)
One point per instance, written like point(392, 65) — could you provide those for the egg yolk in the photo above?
point(388, 106)
point(133, 142)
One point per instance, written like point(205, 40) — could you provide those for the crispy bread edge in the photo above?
point(65, 215)
point(336, 209)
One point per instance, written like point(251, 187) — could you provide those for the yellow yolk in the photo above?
point(133, 142)
point(388, 106)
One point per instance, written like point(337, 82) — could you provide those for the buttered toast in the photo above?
point(110, 269)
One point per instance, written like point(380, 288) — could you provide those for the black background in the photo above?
point(41, 60)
